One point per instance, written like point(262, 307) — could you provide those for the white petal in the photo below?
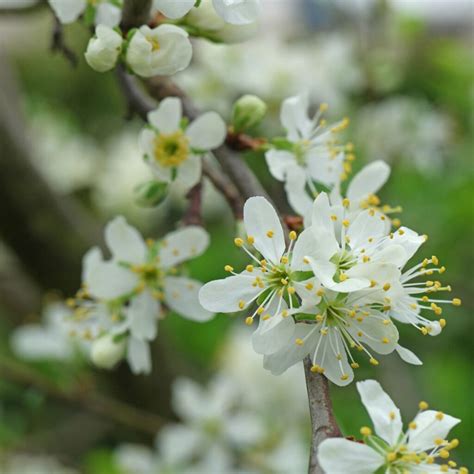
point(181, 295)
point(381, 410)
point(189, 400)
point(394, 254)
point(172, 8)
point(294, 117)
point(325, 169)
point(290, 354)
point(260, 218)
point(224, 296)
point(409, 240)
point(68, 11)
point(407, 355)
point(178, 443)
point(273, 334)
point(298, 198)
point(108, 281)
point(108, 14)
point(429, 428)
point(207, 132)
point(341, 456)
point(309, 297)
point(278, 161)
point(244, 429)
point(125, 242)
point(305, 245)
point(143, 314)
point(365, 227)
point(91, 259)
point(368, 181)
point(181, 245)
point(166, 118)
point(240, 12)
point(138, 356)
point(321, 218)
point(188, 174)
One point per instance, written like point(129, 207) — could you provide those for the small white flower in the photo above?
point(271, 283)
point(173, 9)
point(106, 352)
point(237, 12)
point(132, 287)
point(312, 152)
point(68, 11)
point(416, 450)
point(174, 153)
point(164, 50)
point(103, 49)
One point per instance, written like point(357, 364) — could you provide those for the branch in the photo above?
point(135, 13)
point(58, 44)
point(323, 424)
point(115, 410)
point(193, 214)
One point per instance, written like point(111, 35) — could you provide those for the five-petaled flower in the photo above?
point(173, 150)
point(422, 448)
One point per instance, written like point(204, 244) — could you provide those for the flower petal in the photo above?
point(365, 226)
point(273, 334)
point(108, 14)
point(173, 9)
point(278, 161)
point(298, 198)
point(237, 13)
point(294, 117)
point(368, 181)
point(166, 118)
point(305, 245)
point(428, 428)
point(181, 245)
point(181, 295)
point(226, 295)
point(324, 168)
point(68, 11)
point(321, 218)
point(262, 223)
point(341, 456)
point(188, 174)
point(143, 313)
point(138, 356)
point(407, 355)
point(383, 412)
point(207, 132)
point(409, 240)
point(91, 259)
point(109, 281)
point(125, 242)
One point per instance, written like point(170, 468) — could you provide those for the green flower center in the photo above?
point(170, 150)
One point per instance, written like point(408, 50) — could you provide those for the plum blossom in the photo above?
point(164, 50)
point(173, 150)
point(124, 296)
point(422, 448)
point(103, 49)
point(271, 282)
point(105, 12)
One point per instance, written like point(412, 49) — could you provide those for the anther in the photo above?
point(238, 242)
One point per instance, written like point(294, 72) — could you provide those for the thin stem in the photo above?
point(193, 214)
point(115, 410)
point(323, 424)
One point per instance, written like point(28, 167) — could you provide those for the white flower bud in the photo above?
point(106, 352)
point(151, 193)
point(103, 49)
point(164, 50)
point(248, 112)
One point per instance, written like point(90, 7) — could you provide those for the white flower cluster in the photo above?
point(164, 49)
point(391, 449)
point(337, 288)
point(227, 428)
point(122, 298)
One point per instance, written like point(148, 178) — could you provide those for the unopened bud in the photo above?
point(106, 352)
point(151, 193)
point(248, 112)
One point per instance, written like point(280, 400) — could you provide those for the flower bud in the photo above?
point(248, 112)
point(151, 193)
point(103, 49)
point(106, 352)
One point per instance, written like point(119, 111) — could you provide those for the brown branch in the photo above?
point(193, 214)
point(115, 410)
point(323, 424)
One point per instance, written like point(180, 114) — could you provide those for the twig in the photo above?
point(323, 424)
point(110, 408)
point(58, 44)
point(193, 214)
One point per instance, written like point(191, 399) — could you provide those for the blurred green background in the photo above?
point(404, 79)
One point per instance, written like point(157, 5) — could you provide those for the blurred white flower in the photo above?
point(416, 450)
point(172, 151)
point(49, 340)
point(103, 49)
point(105, 12)
point(163, 50)
point(32, 464)
point(404, 128)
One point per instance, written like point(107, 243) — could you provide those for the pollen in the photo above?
point(291, 290)
point(270, 234)
point(385, 340)
point(456, 302)
point(241, 304)
point(355, 365)
point(229, 268)
point(346, 202)
point(309, 286)
point(412, 425)
point(334, 218)
point(319, 318)
point(344, 377)
point(292, 235)
point(249, 268)
point(346, 223)
point(386, 287)
point(299, 342)
point(238, 242)
point(423, 405)
point(249, 321)
point(391, 457)
point(373, 361)
point(365, 431)
point(171, 150)
point(439, 415)
point(343, 277)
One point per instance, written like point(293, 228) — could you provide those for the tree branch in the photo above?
point(115, 410)
point(323, 424)
point(58, 44)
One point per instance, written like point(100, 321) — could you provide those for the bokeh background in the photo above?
point(401, 70)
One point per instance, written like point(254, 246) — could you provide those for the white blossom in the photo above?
point(164, 50)
point(103, 49)
point(173, 151)
point(415, 450)
point(68, 11)
point(124, 296)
